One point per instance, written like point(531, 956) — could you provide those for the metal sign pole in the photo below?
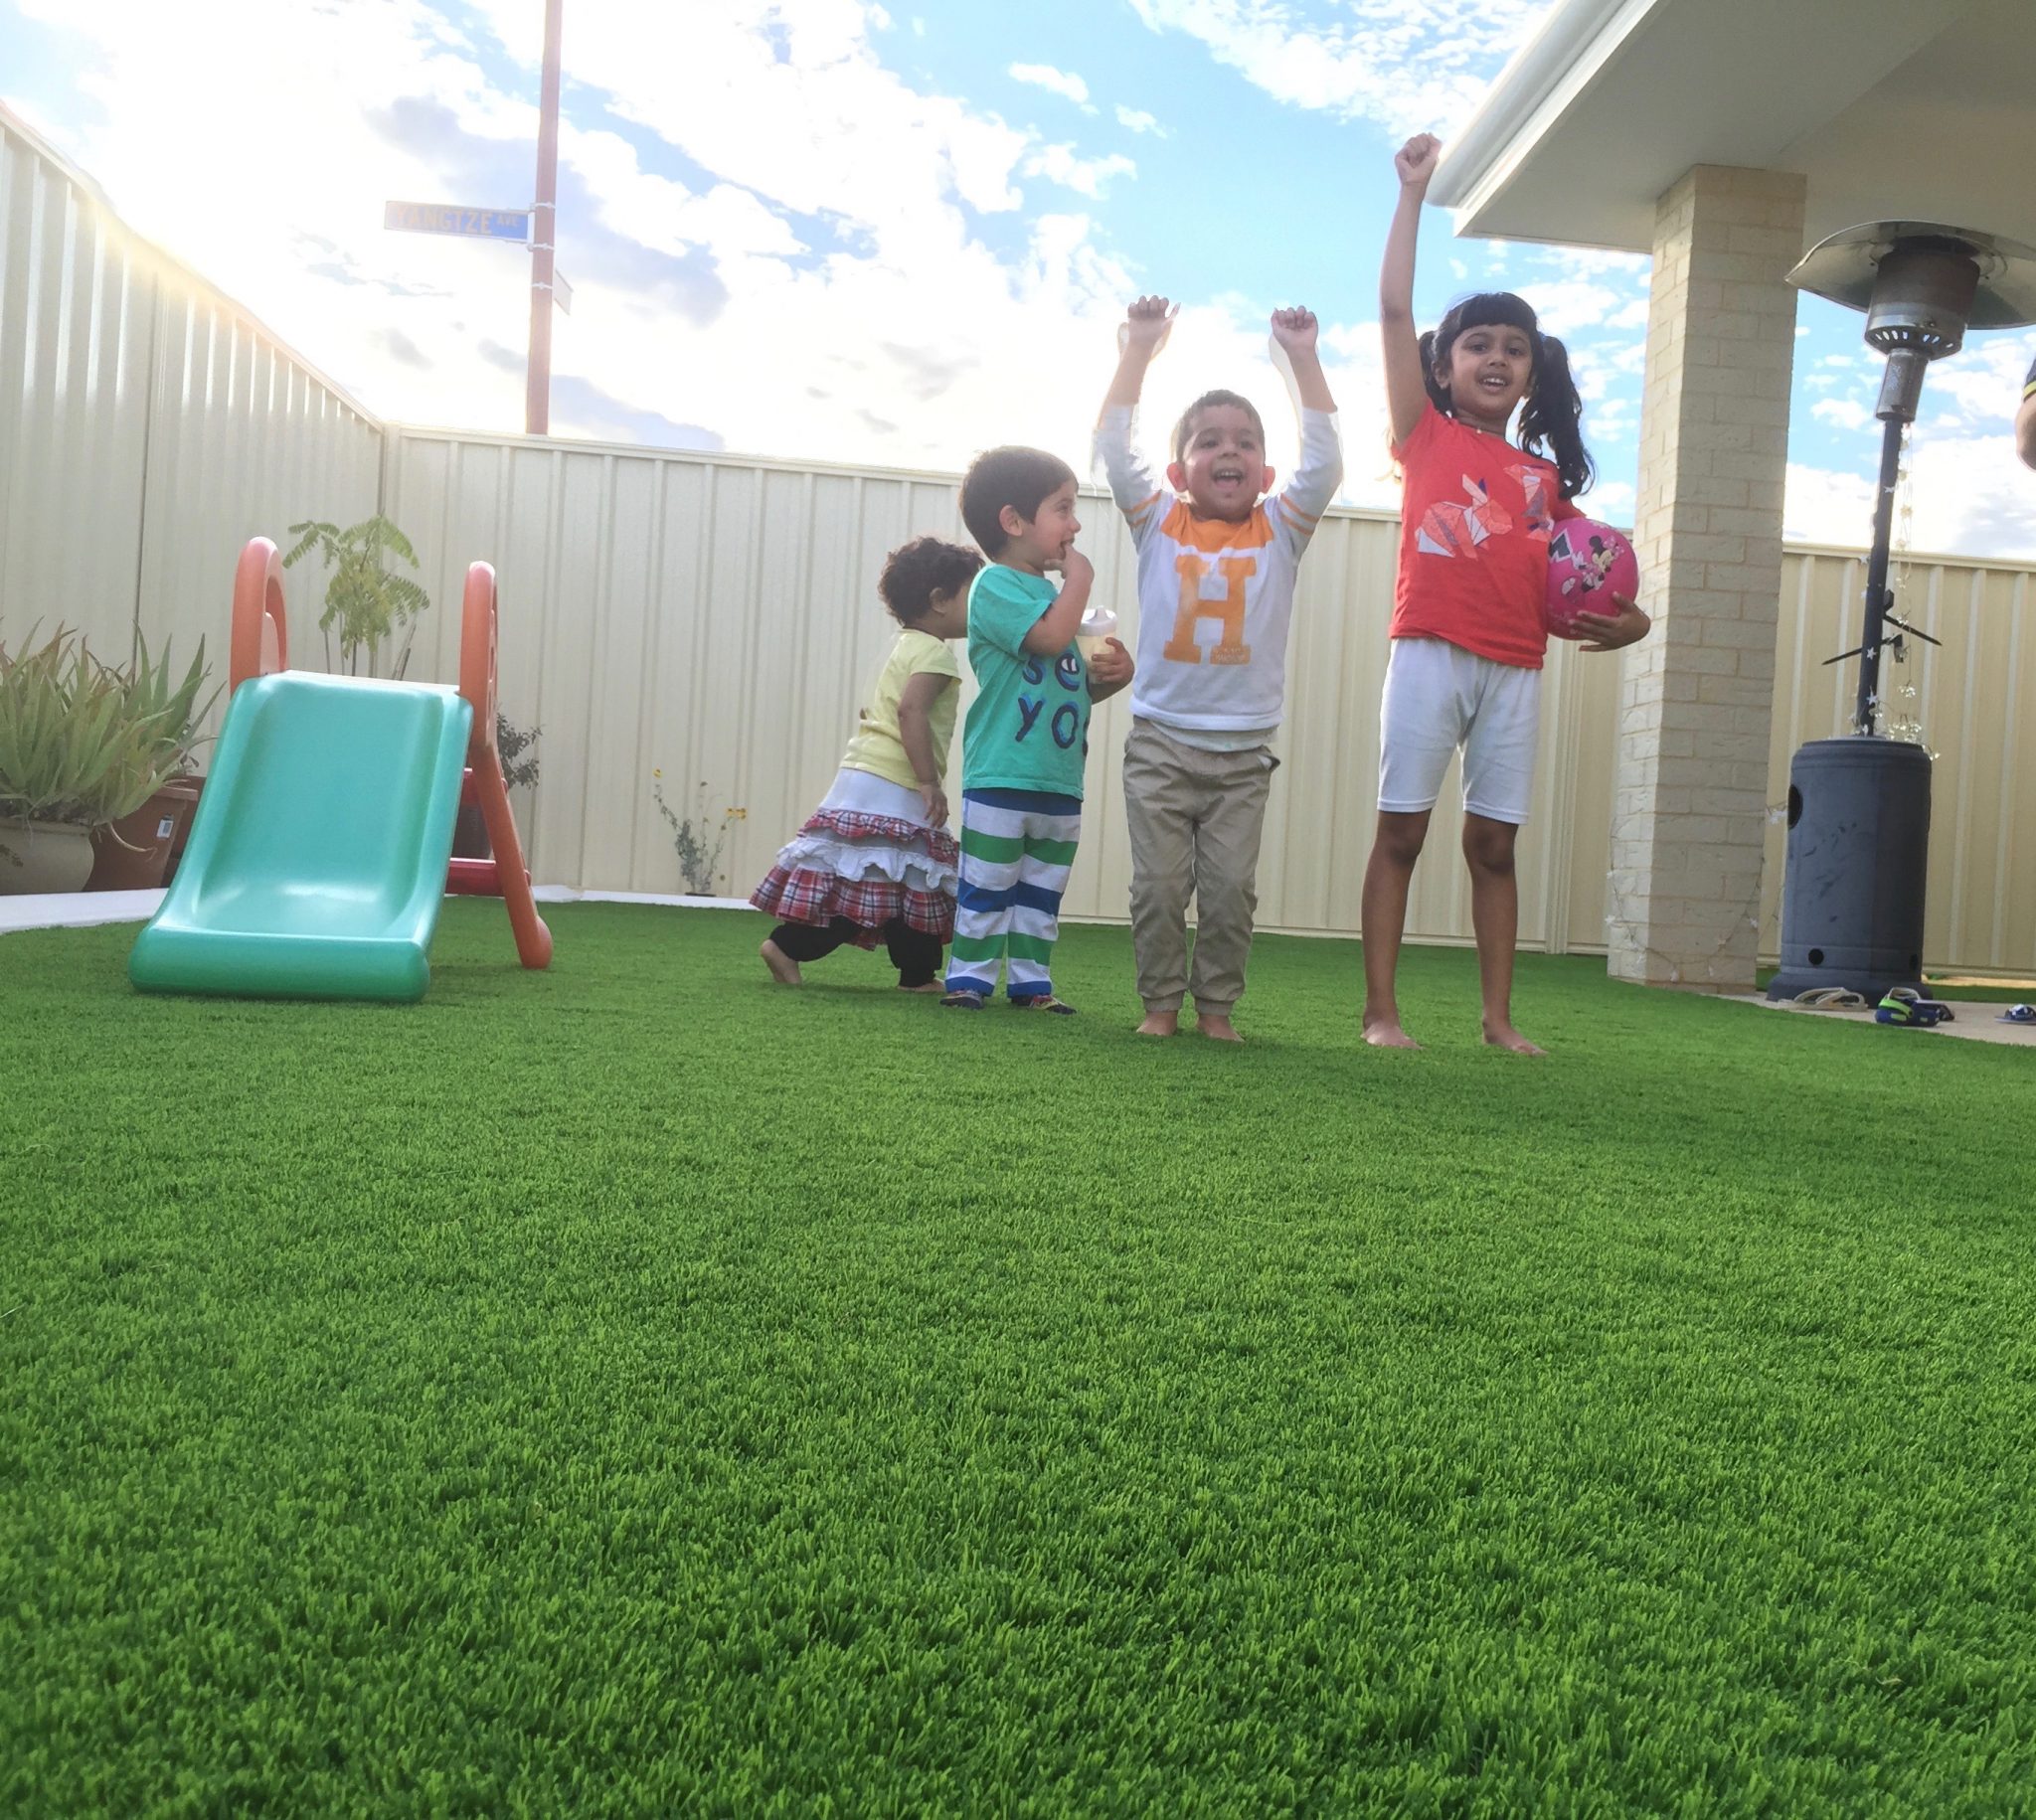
point(537, 408)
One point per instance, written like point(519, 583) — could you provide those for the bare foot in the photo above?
point(1215, 1025)
point(932, 985)
point(1504, 1035)
point(784, 970)
point(1385, 1033)
point(1160, 1023)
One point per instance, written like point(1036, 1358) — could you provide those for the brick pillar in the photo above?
point(1696, 697)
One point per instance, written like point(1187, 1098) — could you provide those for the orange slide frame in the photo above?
point(259, 645)
point(504, 875)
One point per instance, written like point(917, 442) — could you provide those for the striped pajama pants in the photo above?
point(1016, 848)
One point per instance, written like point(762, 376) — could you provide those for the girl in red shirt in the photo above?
point(1468, 631)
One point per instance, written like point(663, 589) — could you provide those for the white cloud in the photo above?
point(1137, 120)
point(817, 282)
point(1967, 494)
point(1613, 501)
point(1062, 165)
point(1060, 82)
point(1821, 505)
point(1412, 66)
point(1846, 414)
point(664, 215)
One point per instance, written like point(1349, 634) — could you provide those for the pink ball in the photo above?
point(1588, 563)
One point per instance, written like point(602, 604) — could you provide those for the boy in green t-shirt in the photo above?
point(1027, 731)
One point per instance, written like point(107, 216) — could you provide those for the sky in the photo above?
point(890, 237)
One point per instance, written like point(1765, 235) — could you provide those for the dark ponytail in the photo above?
point(1551, 419)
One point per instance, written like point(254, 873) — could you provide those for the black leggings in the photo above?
point(915, 953)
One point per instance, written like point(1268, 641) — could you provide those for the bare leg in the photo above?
point(1496, 916)
point(1160, 1023)
point(784, 970)
point(1386, 876)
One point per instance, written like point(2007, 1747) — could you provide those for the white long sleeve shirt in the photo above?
point(1216, 597)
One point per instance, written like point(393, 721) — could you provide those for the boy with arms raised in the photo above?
point(1215, 576)
point(1027, 731)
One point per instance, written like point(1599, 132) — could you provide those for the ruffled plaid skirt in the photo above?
point(867, 867)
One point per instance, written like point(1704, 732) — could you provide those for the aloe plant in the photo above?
point(84, 743)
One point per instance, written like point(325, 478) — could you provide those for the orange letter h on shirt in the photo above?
point(1231, 648)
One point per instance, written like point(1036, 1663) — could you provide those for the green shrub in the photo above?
point(364, 601)
point(84, 743)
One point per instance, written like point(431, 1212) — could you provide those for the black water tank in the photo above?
point(1858, 854)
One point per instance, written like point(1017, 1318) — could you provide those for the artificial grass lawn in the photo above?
point(640, 1389)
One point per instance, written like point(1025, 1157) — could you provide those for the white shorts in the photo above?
point(1439, 697)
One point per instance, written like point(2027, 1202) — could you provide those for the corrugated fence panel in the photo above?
point(1970, 701)
point(243, 441)
point(148, 427)
point(716, 619)
point(78, 300)
point(708, 627)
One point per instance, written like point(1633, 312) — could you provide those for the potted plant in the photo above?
point(517, 748)
point(82, 744)
point(697, 860)
point(366, 604)
point(133, 853)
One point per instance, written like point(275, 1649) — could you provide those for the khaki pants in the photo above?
point(1195, 818)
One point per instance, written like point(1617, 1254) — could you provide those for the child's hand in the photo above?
point(1295, 330)
point(1146, 325)
point(1415, 160)
point(1070, 566)
point(935, 801)
point(1111, 668)
point(1608, 632)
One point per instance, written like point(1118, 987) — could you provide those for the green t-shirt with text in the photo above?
point(1028, 727)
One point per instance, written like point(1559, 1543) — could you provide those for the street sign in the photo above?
point(456, 218)
point(562, 292)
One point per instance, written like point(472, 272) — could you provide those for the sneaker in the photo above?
point(1044, 1001)
point(962, 1000)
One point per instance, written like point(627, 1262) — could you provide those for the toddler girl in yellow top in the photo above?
point(874, 860)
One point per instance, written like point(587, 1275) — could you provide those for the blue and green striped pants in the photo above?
point(1016, 849)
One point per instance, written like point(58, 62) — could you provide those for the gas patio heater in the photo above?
point(1852, 891)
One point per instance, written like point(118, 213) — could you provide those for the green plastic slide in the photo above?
point(317, 864)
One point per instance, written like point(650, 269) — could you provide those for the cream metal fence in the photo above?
point(714, 617)
point(148, 426)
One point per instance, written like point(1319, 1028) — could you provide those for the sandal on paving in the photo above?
point(964, 1001)
point(1044, 1002)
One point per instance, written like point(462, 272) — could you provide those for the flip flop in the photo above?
point(1908, 1008)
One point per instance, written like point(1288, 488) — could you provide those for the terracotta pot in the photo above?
point(132, 853)
point(193, 789)
point(42, 856)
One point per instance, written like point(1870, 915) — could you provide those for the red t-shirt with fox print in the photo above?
point(1474, 521)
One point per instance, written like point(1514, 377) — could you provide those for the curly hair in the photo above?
point(915, 573)
point(1552, 417)
point(1009, 476)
